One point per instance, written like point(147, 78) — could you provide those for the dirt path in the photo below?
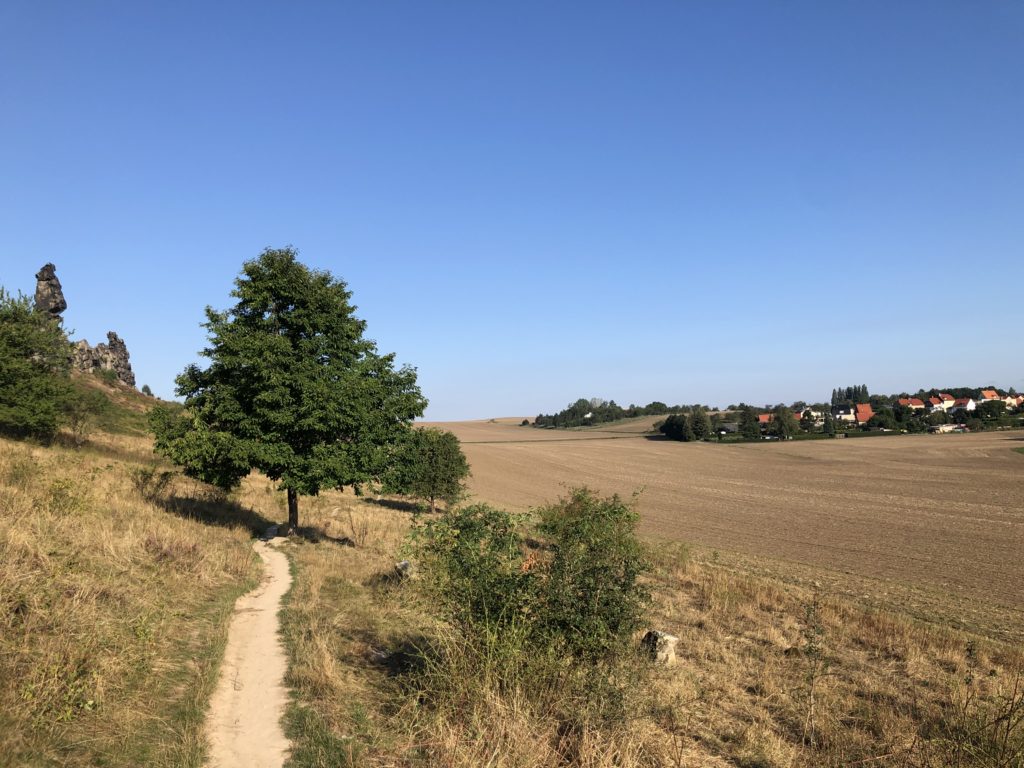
point(244, 722)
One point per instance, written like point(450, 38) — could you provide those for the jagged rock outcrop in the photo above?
point(49, 296)
point(112, 356)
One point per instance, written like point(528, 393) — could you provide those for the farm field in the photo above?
point(931, 525)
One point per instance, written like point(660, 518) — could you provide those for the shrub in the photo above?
point(149, 482)
point(82, 410)
point(584, 600)
point(474, 560)
point(592, 598)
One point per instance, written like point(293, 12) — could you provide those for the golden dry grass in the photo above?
point(929, 524)
point(113, 608)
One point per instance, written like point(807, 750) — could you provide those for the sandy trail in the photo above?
point(244, 722)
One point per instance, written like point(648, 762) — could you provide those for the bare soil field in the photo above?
point(932, 525)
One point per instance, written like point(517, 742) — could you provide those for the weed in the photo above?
point(150, 482)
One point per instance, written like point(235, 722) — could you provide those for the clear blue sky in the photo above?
point(533, 202)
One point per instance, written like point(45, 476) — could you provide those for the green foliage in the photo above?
point(293, 388)
point(34, 365)
point(750, 427)
point(82, 411)
point(677, 427)
point(850, 395)
point(146, 390)
point(783, 424)
point(474, 558)
point(585, 600)
point(807, 421)
point(597, 411)
point(429, 465)
point(107, 376)
point(883, 419)
point(700, 423)
point(592, 599)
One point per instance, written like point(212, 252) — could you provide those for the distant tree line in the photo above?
point(598, 411)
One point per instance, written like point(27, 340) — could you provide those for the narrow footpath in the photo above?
point(244, 722)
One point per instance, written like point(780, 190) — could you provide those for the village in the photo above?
point(939, 412)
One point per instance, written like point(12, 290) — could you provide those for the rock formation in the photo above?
point(112, 356)
point(49, 296)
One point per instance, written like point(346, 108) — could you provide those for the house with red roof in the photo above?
point(863, 413)
point(988, 395)
point(964, 404)
point(915, 403)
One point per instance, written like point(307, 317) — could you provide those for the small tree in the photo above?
point(83, 406)
point(146, 390)
point(293, 389)
point(430, 466)
point(35, 359)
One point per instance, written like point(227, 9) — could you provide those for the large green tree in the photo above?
point(35, 359)
point(293, 389)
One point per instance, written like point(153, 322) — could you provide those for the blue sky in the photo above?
point(533, 202)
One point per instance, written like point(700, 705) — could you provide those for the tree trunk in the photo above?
point(293, 509)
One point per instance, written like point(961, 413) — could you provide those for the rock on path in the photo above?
point(244, 722)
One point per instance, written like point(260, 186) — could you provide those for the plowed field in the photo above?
point(933, 523)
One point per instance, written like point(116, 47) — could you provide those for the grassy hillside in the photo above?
point(114, 599)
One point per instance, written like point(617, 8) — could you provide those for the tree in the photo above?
point(750, 426)
point(35, 360)
point(700, 423)
point(830, 425)
point(807, 421)
point(677, 427)
point(83, 407)
point(292, 390)
point(146, 390)
point(430, 465)
point(783, 424)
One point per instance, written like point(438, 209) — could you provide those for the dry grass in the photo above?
point(770, 673)
point(113, 608)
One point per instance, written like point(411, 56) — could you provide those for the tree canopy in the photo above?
point(293, 388)
point(431, 466)
point(35, 360)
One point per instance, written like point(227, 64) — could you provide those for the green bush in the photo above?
point(474, 560)
point(592, 599)
point(579, 594)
